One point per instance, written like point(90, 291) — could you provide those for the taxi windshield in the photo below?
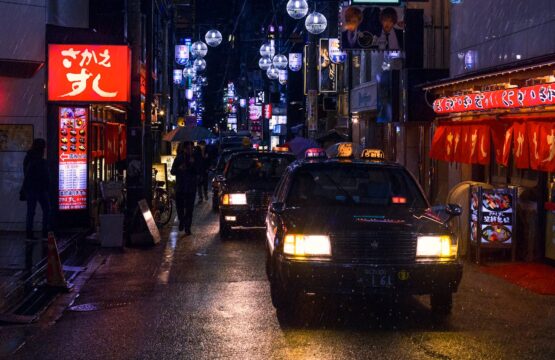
point(354, 186)
point(257, 167)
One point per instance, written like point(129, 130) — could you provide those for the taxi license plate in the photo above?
point(377, 278)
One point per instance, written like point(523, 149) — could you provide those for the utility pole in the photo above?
point(312, 86)
point(135, 179)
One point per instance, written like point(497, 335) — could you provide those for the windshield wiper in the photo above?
point(340, 188)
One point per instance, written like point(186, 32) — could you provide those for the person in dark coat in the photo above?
point(185, 173)
point(202, 162)
point(36, 183)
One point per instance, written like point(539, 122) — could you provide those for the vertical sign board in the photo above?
point(493, 218)
point(327, 70)
point(72, 160)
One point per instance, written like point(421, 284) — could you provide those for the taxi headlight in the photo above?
point(435, 246)
point(307, 245)
point(234, 199)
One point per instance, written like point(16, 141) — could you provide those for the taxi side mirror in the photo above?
point(277, 208)
point(447, 212)
point(453, 210)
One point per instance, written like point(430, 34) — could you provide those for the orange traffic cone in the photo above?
point(54, 274)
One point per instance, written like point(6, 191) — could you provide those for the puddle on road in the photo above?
point(165, 267)
point(98, 306)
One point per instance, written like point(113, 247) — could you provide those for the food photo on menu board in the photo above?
point(73, 158)
point(73, 132)
point(497, 216)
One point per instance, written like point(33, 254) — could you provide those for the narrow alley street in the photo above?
point(198, 297)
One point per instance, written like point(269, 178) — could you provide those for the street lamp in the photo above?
point(213, 38)
point(199, 49)
point(316, 23)
point(267, 50)
point(297, 9)
point(264, 63)
point(280, 62)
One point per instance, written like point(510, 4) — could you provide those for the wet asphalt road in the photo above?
point(200, 298)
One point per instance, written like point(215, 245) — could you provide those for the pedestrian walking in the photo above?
point(202, 162)
point(36, 184)
point(185, 173)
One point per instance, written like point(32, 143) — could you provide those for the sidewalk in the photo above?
point(23, 263)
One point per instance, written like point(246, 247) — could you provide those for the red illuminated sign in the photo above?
point(72, 149)
point(88, 73)
point(530, 96)
point(268, 111)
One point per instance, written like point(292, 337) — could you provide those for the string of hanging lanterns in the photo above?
point(315, 23)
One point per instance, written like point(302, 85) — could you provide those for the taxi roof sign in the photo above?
point(315, 153)
point(344, 150)
point(280, 149)
point(372, 154)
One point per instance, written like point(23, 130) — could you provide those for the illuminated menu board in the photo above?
point(72, 160)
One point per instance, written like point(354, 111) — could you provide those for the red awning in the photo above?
point(533, 141)
point(465, 143)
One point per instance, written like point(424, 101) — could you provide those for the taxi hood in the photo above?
point(325, 220)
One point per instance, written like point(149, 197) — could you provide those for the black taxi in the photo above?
point(218, 170)
point(246, 187)
point(357, 227)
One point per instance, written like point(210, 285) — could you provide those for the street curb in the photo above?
point(27, 283)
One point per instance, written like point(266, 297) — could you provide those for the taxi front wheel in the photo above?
point(225, 231)
point(442, 302)
point(282, 299)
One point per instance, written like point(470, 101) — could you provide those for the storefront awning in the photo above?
point(531, 141)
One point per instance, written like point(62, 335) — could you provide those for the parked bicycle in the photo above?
point(162, 204)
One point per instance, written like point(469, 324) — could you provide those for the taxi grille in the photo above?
point(375, 247)
point(258, 199)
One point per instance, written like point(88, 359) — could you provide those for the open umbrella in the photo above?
point(183, 133)
point(299, 145)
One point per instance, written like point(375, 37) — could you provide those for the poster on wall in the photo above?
point(327, 70)
point(72, 159)
point(372, 27)
point(16, 137)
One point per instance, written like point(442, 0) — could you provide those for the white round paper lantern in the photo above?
point(316, 23)
point(199, 49)
point(272, 73)
point(297, 9)
point(264, 63)
point(267, 50)
point(189, 72)
point(213, 38)
point(280, 62)
point(199, 65)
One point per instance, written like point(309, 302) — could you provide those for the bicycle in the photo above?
point(162, 204)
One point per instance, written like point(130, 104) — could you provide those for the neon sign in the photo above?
point(538, 95)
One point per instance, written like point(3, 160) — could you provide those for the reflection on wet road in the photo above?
point(198, 297)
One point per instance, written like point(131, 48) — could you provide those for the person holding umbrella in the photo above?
point(185, 173)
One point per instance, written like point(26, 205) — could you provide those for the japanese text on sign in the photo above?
point(72, 162)
point(88, 73)
point(537, 95)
